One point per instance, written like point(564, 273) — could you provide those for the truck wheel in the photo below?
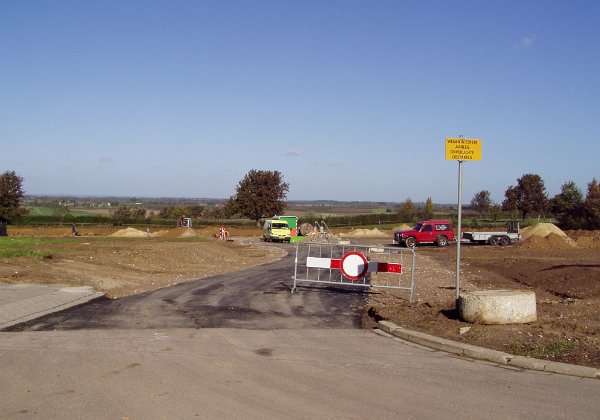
point(493, 240)
point(442, 241)
point(505, 240)
point(410, 242)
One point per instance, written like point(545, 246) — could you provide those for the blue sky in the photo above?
point(350, 100)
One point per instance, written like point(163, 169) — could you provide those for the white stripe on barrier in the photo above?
point(316, 262)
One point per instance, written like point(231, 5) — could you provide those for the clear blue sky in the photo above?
point(350, 100)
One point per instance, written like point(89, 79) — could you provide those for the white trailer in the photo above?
point(502, 238)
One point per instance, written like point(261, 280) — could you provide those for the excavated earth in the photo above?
point(564, 272)
point(562, 268)
point(122, 262)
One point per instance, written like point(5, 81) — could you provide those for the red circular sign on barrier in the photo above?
point(354, 265)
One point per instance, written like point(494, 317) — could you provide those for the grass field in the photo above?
point(48, 211)
point(326, 211)
point(25, 247)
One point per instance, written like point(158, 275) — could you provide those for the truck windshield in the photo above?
point(280, 226)
point(418, 226)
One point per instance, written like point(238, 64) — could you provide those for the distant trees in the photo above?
point(196, 211)
point(592, 205)
point(62, 212)
point(529, 195)
point(572, 211)
point(406, 211)
point(428, 210)
point(496, 212)
point(568, 206)
point(126, 214)
point(176, 212)
point(11, 196)
point(173, 212)
point(482, 202)
point(260, 194)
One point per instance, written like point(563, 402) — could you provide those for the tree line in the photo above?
point(261, 194)
point(569, 207)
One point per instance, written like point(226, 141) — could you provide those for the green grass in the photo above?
point(554, 349)
point(49, 211)
point(25, 247)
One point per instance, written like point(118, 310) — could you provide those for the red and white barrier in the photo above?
point(353, 265)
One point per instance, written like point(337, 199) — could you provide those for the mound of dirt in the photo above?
point(552, 241)
point(306, 228)
point(130, 233)
point(588, 242)
point(403, 226)
point(535, 242)
point(560, 242)
point(542, 230)
point(180, 232)
point(545, 236)
point(370, 233)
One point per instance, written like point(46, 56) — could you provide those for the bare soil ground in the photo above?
point(121, 266)
point(566, 281)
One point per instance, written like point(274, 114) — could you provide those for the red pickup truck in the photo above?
point(437, 232)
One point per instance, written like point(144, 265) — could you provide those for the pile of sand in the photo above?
point(545, 236)
point(188, 233)
point(542, 230)
point(180, 232)
point(403, 226)
point(130, 233)
point(369, 233)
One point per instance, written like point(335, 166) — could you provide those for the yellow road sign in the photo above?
point(463, 149)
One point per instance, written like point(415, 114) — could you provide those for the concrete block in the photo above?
point(498, 307)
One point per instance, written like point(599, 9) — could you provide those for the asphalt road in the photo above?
point(257, 298)
point(278, 374)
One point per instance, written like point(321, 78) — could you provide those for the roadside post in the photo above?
point(461, 149)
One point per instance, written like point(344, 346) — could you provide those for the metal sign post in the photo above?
point(461, 149)
point(459, 227)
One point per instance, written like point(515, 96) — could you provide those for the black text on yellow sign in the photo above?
point(463, 149)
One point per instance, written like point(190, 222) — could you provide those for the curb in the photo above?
point(481, 353)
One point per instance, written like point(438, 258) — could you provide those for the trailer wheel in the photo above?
point(410, 242)
point(493, 240)
point(505, 240)
point(442, 240)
